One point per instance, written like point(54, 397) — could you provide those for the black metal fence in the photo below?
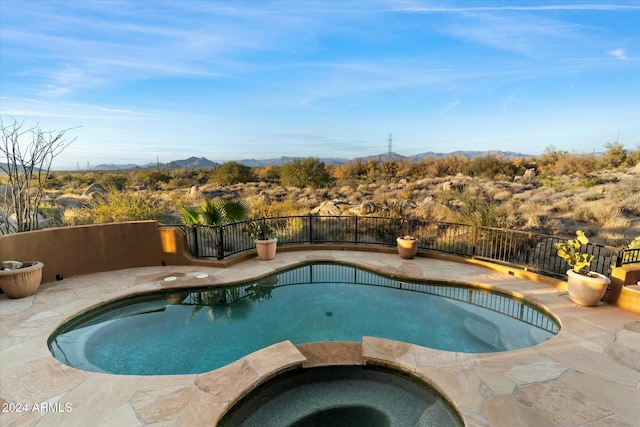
point(534, 252)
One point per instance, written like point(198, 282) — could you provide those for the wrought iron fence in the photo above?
point(630, 256)
point(530, 251)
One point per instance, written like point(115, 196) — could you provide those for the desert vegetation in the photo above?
point(555, 193)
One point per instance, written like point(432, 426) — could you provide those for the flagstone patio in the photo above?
point(588, 375)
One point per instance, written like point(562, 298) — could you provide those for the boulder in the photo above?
point(529, 175)
point(328, 208)
point(68, 202)
point(93, 189)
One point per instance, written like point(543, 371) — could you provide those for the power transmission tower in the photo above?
point(389, 148)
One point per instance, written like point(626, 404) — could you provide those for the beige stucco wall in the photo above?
point(70, 251)
point(622, 292)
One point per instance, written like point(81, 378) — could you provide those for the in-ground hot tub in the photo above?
point(198, 330)
point(352, 396)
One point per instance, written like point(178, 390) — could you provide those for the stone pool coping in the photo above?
point(589, 374)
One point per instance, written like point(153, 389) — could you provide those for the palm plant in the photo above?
point(216, 211)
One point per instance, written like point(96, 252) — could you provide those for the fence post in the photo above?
point(220, 245)
point(527, 250)
point(473, 243)
point(194, 233)
point(620, 259)
point(310, 229)
point(356, 236)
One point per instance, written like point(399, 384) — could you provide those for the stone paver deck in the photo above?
point(588, 375)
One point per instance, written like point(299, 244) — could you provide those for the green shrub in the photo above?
point(309, 172)
point(127, 205)
point(231, 173)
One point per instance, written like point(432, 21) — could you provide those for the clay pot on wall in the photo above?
point(23, 281)
point(267, 249)
point(407, 247)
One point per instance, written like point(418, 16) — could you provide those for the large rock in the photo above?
point(94, 188)
point(329, 208)
point(529, 175)
point(68, 202)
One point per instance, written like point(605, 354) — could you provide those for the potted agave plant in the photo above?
point(585, 287)
point(264, 235)
point(18, 279)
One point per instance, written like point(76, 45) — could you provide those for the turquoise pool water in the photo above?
point(196, 331)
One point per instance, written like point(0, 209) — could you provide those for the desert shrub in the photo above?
point(614, 157)
point(550, 157)
point(117, 181)
point(635, 244)
point(152, 178)
point(309, 172)
point(633, 158)
point(478, 210)
point(175, 183)
point(265, 207)
point(77, 216)
point(233, 173)
point(268, 173)
point(451, 165)
point(116, 206)
point(582, 164)
point(491, 167)
point(389, 168)
point(590, 181)
point(52, 214)
point(601, 214)
point(352, 169)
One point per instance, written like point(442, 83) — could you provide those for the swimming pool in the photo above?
point(198, 330)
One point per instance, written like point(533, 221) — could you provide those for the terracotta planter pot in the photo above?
point(407, 248)
point(587, 290)
point(266, 249)
point(22, 282)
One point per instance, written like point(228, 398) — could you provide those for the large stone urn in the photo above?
point(22, 281)
point(587, 289)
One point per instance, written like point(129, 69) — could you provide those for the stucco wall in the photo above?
point(69, 251)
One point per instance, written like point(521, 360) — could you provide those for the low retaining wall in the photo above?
point(70, 251)
point(623, 291)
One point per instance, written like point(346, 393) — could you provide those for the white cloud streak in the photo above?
point(618, 54)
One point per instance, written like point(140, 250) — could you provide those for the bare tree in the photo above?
point(25, 157)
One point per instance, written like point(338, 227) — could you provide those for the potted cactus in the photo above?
point(585, 287)
point(264, 235)
point(18, 279)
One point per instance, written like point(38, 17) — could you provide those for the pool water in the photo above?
point(200, 330)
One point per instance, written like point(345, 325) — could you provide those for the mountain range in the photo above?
point(203, 163)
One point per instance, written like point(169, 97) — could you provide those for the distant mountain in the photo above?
point(192, 163)
point(113, 166)
point(203, 163)
point(431, 155)
point(279, 161)
point(470, 154)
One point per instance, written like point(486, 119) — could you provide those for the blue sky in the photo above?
point(231, 80)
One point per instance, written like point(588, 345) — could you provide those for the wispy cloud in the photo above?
point(618, 54)
point(450, 107)
point(531, 8)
